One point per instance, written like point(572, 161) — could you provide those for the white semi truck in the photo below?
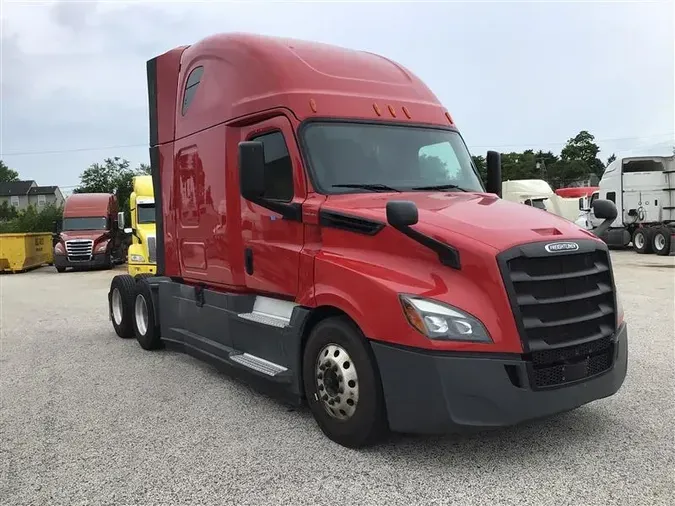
point(643, 189)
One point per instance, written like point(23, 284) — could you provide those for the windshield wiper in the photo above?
point(372, 187)
point(439, 187)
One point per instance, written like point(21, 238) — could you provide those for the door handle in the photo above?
point(248, 261)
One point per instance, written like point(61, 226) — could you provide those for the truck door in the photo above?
point(272, 243)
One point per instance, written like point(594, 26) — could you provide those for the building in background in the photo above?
point(21, 194)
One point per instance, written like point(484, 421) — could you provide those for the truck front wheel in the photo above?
point(145, 326)
point(342, 385)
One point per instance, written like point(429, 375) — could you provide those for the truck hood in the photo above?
point(481, 217)
point(94, 235)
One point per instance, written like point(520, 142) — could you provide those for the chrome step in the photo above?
point(265, 319)
point(258, 364)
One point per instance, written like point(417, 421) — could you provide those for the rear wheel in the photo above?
point(120, 304)
point(661, 241)
point(145, 326)
point(642, 241)
point(342, 384)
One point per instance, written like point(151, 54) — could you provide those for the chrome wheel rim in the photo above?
point(337, 382)
point(141, 313)
point(639, 240)
point(117, 306)
point(659, 242)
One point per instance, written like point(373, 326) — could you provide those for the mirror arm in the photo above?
point(448, 255)
point(603, 227)
point(288, 210)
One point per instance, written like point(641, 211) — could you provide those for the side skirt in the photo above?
point(252, 337)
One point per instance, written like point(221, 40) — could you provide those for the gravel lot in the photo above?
point(88, 418)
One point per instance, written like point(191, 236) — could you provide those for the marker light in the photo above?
point(377, 109)
point(391, 111)
point(447, 115)
point(406, 112)
point(440, 321)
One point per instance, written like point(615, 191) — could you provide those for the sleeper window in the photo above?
point(191, 88)
point(278, 167)
point(611, 196)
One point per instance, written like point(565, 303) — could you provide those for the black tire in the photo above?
point(60, 269)
point(147, 337)
point(368, 424)
point(642, 240)
point(108, 262)
point(125, 285)
point(143, 275)
point(661, 239)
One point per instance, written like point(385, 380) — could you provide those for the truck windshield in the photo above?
point(146, 213)
point(354, 157)
point(92, 223)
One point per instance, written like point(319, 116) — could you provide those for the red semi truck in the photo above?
point(322, 231)
point(88, 236)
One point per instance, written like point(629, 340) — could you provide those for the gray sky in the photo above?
point(513, 75)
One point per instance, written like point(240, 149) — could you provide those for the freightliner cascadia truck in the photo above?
point(323, 232)
point(142, 250)
point(88, 236)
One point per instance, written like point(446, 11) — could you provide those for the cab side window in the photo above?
point(278, 167)
point(611, 196)
point(191, 86)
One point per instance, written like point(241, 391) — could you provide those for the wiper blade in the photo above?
point(371, 187)
point(439, 187)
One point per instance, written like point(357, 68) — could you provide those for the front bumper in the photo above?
point(432, 392)
point(135, 269)
point(98, 260)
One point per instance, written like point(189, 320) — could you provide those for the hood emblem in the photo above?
point(558, 247)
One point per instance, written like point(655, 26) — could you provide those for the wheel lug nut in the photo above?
point(337, 400)
point(342, 390)
point(340, 378)
point(325, 397)
point(320, 376)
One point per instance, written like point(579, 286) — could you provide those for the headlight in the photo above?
point(101, 247)
point(136, 258)
point(619, 310)
point(442, 321)
point(59, 248)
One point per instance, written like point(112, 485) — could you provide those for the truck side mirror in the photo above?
point(494, 173)
point(402, 213)
point(120, 220)
point(56, 227)
point(251, 170)
point(605, 210)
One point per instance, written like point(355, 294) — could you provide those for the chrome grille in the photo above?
point(79, 250)
point(152, 249)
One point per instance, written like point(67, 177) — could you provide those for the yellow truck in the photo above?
point(141, 257)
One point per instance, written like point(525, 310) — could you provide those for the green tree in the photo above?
point(7, 212)
point(582, 148)
point(7, 175)
point(114, 175)
point(32, 220)
point(611, 158)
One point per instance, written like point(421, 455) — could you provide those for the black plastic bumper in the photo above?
point(97, 261)
point(432, 392)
